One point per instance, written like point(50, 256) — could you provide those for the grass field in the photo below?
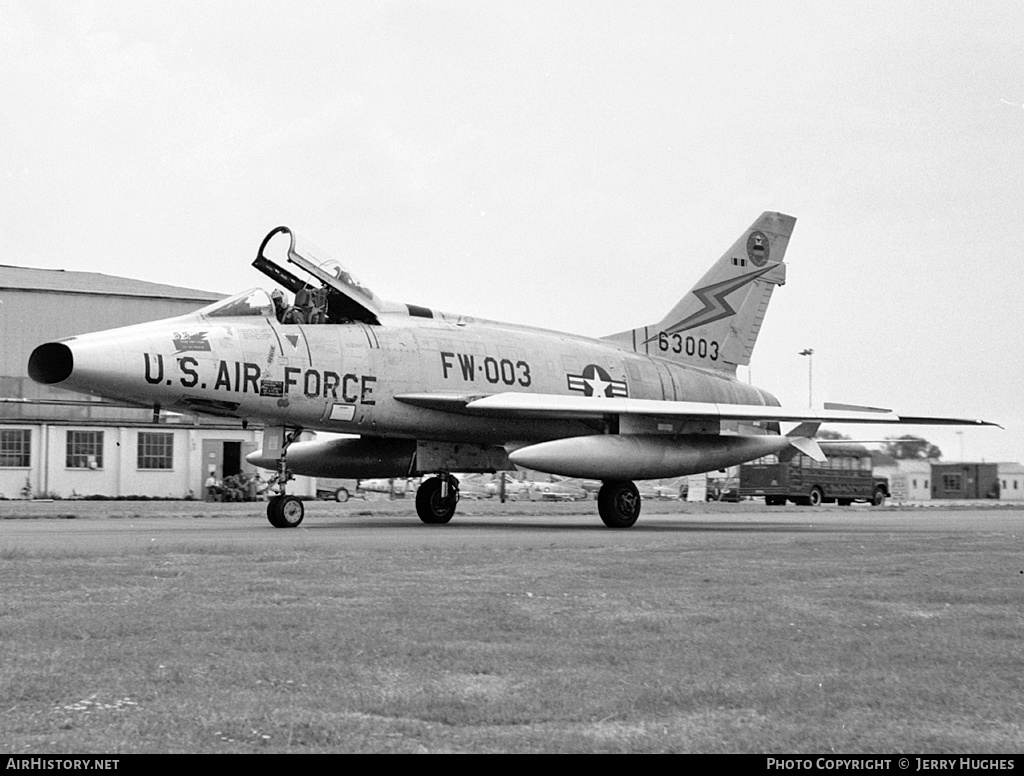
point(135, 629)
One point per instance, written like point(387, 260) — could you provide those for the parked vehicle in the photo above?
point(844, 478)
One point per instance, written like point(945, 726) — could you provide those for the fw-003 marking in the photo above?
point(422, 392)
point(488, 368)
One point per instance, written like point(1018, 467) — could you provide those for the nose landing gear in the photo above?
point(284, 511)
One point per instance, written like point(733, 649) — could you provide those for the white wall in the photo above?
point(1011, 483)
point(120, 475)
point(12, 478)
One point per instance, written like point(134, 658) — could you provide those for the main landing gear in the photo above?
point(618, 503)
point(437, 498)
point(284, 511)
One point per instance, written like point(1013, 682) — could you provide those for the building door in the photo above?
point(222, 458)
point(232, 458)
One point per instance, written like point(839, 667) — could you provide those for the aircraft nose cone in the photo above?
point(51, 363)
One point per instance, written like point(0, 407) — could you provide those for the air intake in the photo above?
point(51, 363)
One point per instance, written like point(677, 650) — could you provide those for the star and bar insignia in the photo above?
point(595, 381)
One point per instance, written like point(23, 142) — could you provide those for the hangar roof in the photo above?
point(69, 282)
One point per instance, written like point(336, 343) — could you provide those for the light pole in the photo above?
point(809, 352)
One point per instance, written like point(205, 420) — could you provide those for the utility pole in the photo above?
point(809, 352)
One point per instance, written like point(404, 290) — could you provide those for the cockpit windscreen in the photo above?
point(254, 302)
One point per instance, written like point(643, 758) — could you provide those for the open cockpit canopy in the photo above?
point(347, 298)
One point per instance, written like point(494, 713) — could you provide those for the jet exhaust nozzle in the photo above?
point(51, 363)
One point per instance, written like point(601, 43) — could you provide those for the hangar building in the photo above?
point(62, 444)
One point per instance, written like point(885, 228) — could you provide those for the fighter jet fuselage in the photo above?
point(345, 378)
point(428, 392)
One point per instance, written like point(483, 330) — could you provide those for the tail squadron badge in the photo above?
point(757, 248)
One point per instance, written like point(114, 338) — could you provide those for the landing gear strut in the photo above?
point(618, 503)
point(436, 499)
point(284, 511)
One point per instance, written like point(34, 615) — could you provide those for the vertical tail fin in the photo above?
point(716, 324)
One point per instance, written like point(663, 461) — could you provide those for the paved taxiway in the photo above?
point(112, 527)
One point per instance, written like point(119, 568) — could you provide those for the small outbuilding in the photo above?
point(1011, 481)
point(909, 479)
point(965, 481)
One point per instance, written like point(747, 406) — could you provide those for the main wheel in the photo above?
point(618, 503)
point(815, 497)
point(432, 509)
point(285, 511)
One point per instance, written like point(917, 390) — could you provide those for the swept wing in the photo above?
point(539, 405)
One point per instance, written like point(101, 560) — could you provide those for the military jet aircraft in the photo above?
point(430, 393)
point(514, 489)
point(557, 490)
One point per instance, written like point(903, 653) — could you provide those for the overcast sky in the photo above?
point(570, 165)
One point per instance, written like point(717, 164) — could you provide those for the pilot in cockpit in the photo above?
point(285, 312)
point(310, 306)
point(280, 308)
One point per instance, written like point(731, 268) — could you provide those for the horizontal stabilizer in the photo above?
point(805, 430)
point(808, 447)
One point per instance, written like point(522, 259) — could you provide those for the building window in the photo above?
point(156, 450)
point(85, 450)
point(915, 484)
point(952, 482)
point(15, 447)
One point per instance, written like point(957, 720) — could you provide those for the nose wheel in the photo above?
point(285, 511)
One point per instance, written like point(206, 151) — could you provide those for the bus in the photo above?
point(844, 478)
